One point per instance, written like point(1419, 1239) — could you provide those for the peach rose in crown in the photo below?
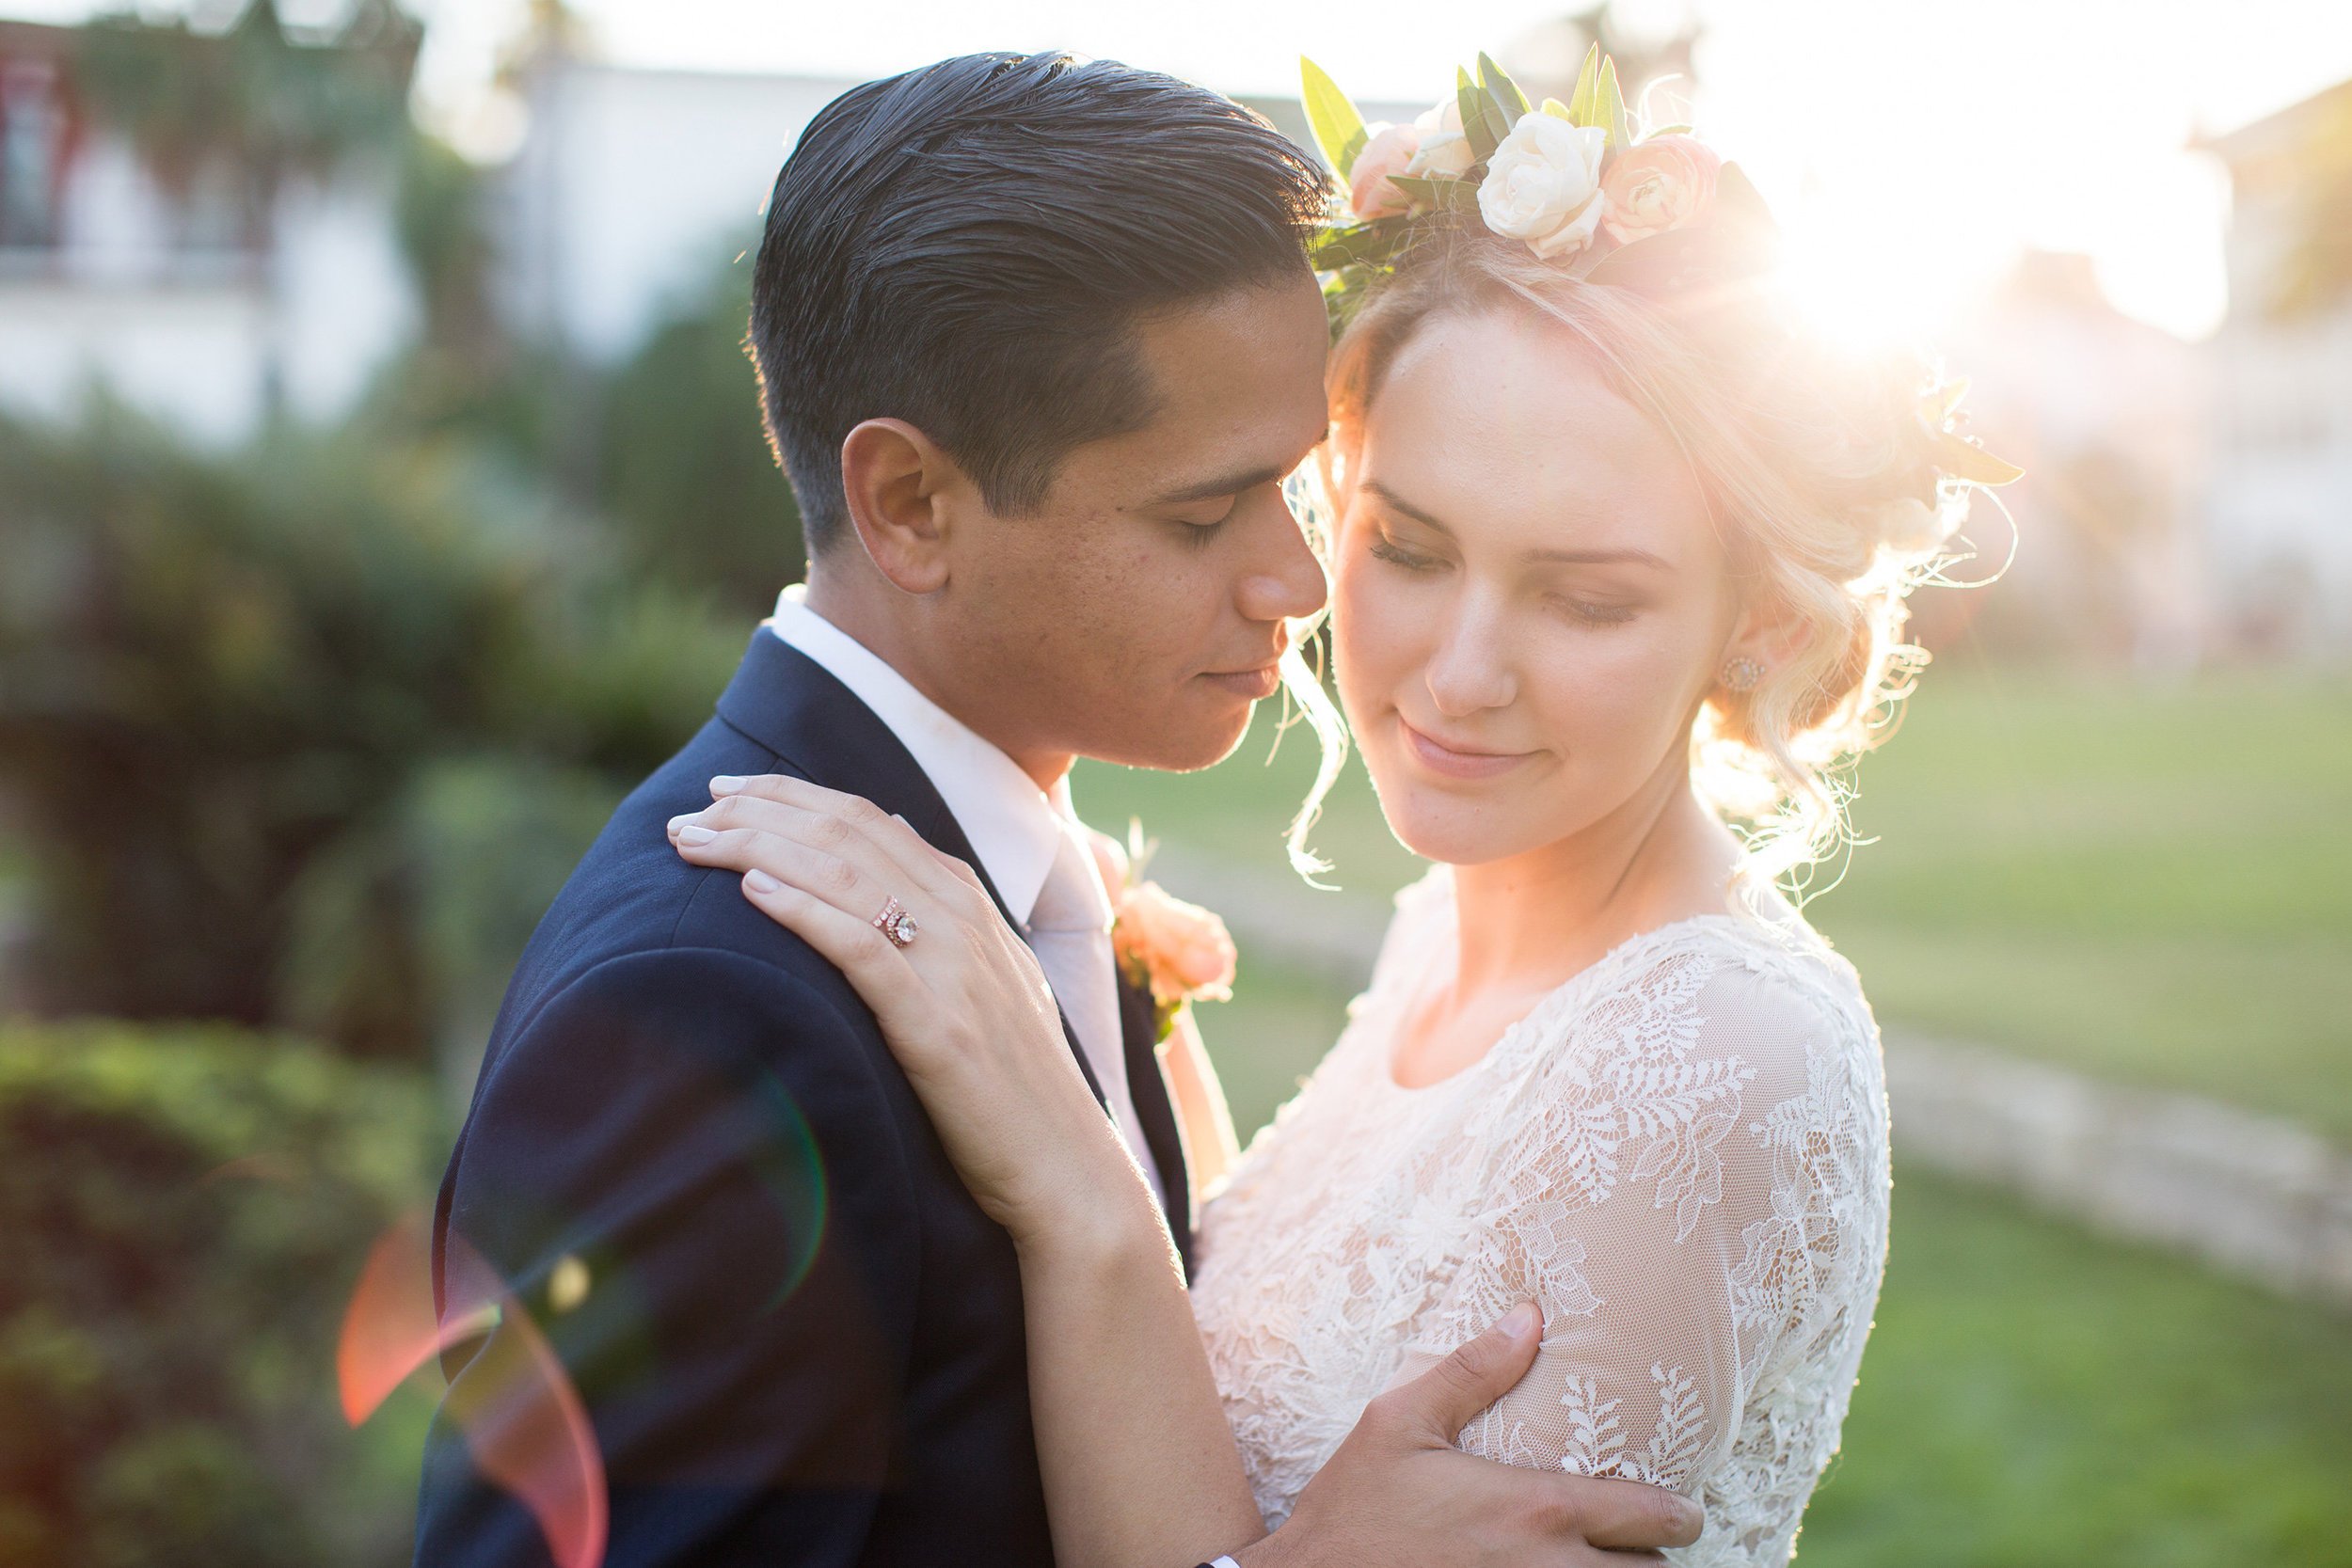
point(1390, 152)
point(1662, 183)
point(1180, 950)
point(1444, 152)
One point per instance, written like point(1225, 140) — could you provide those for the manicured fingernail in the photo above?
point(679, 821)
point(695, 836)
point(727, 784)
point(759, 881)
point(1521, 1320)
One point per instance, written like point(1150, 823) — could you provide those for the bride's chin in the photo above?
point(1444, 828)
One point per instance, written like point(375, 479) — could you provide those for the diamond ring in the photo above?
point(895, 923)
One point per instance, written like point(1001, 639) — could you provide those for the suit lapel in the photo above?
point(1147, 1086)
point(791, 705)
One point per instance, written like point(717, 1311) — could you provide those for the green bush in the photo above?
point(684, 469)
point(227, 684)
point(185, 1212)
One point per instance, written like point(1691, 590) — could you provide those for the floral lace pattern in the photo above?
point(1682, 1154)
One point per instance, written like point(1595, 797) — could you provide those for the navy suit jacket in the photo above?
point(800, 1343)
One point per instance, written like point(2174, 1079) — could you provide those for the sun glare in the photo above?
point(1854, 285)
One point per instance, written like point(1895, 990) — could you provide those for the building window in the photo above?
point(32, 152)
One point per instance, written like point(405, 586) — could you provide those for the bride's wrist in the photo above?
point(1101, 1221)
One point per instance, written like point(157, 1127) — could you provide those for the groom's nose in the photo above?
point(1282, 581)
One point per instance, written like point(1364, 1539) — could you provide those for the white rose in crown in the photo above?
point(1543, 184)
point(1179, 952)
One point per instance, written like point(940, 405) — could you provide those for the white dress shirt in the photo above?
point(1016, 829)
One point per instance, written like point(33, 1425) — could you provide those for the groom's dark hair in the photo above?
point(968, 248)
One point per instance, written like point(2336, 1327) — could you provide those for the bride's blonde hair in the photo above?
point(1813, 467)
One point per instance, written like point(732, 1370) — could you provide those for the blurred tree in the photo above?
point(185, 1212)
point(250, 109)
point(226, 684)
point(684, 466)
point(252, 103)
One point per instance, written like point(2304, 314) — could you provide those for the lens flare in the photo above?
point(521, 1418)
point(794, 1173)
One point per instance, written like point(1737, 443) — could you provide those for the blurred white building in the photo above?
point(629, 191)
point(2104, 413)
point(2279, 509)
point(632, 188)
point(106, 278)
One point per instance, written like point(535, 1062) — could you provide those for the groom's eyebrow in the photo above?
point(1229, 485)
point(1570, 557)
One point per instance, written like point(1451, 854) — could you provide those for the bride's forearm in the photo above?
point(1140, 1468)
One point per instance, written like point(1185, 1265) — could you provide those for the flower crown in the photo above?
point(1658, 212)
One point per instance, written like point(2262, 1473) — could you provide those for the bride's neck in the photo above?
point(1552, 911)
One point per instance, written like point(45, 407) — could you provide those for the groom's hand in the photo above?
point(1398, 1492)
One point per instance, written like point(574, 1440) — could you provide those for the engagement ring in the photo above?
point(895, 923)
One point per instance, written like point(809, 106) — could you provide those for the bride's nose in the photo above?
point(1470, 669)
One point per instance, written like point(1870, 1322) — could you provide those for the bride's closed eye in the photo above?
point(1594, 614)
point(1385, 548)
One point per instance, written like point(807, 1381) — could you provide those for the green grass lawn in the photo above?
point(2031, 1396)
point(2149, 883)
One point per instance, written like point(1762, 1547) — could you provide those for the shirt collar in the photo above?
point(1015, 828)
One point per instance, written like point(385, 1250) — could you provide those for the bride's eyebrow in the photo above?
point(1627, 557)
point(1398, 503)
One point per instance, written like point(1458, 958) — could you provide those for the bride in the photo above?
point(1619, 557)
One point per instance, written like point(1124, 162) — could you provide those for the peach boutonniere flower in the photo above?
point(1180, 952)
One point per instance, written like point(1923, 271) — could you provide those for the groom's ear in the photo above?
point(902, 489)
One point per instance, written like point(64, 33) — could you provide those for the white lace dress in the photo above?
point(1681, 1153)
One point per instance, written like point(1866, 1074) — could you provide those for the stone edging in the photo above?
point(2250, 1194)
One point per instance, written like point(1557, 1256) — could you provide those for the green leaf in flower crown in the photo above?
point(1556, 109)
point(1444, 195)
point(1335, 248)
point(1609, 107)
point(1339, 128)
point(1964, 459)
point(1943, 399)
point(1667, 130)
point(1471, 101)
point(1500, 86)
point(1588, 89)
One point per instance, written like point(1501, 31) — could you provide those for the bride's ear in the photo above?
point(1769, 633)
point(901, 488)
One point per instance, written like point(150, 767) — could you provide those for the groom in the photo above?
point(1037, 344)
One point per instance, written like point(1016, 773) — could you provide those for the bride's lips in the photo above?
point(1456, 763)
point(1252, 684)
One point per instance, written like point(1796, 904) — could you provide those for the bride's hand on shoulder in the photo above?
point(958, 994)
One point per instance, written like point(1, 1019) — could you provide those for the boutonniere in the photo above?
point(1179, 952)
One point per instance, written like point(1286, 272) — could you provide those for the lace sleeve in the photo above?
point(1669, 1185)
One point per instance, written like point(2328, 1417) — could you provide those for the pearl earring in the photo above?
point(1740, 675)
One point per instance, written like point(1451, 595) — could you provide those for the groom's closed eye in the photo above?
point(1202, 524)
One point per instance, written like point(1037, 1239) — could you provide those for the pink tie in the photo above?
point(1070, 931)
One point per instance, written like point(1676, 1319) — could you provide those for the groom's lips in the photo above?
point(1252, 685)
